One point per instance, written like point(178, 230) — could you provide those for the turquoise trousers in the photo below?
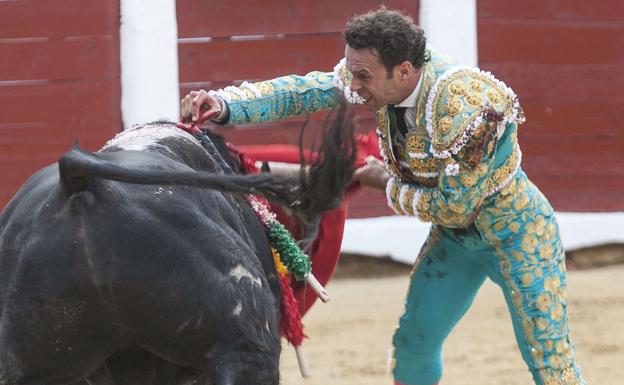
point(449, 270)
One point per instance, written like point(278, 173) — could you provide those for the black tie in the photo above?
point(400, 119)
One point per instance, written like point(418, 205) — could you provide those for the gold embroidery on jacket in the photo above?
point(476, 85)
point(415, 143)
point(445, 124)
point(493, 96)
point(384, 133)
point(482, 89)
point(266, 88)
point(423, 165)
point(408, 201)
point(474, 99)
point(454, 105)
point(457, 88)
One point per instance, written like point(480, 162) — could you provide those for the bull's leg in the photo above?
point(38, 353)
point(238, 362)
point(32, 373)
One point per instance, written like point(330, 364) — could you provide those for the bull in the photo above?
point(143, 264)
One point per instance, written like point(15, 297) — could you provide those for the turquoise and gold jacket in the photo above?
point(462, 150)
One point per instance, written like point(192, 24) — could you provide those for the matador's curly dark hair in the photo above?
point(393, 34)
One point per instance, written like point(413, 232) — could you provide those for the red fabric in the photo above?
point(276, 153)
point(326, 248)
point(290, 321)
point(248, 162)
point(325, 254)
point(366, 145)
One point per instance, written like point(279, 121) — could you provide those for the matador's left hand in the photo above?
point(372, 174)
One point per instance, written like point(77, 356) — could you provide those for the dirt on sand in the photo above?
point(350, 336)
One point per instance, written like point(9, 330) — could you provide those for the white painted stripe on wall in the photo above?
point(149, 61)
point(451, 27)
point(400, 237)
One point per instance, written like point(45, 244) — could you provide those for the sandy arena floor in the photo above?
point(350, 336)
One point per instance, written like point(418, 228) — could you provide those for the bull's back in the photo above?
point(162, 267)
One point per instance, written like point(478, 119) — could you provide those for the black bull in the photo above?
point(162, 282)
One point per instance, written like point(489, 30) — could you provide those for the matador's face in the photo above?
point(370, 78)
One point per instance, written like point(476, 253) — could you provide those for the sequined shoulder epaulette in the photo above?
point(460, 100)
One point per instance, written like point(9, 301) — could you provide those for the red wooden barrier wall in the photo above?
point(221, 44)
point(59, 82)
point(565, 59)
point(59, 79)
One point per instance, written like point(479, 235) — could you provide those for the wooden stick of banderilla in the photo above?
point(293, 170)
point(303, 364)
point(317, 287)
point(289, 170)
